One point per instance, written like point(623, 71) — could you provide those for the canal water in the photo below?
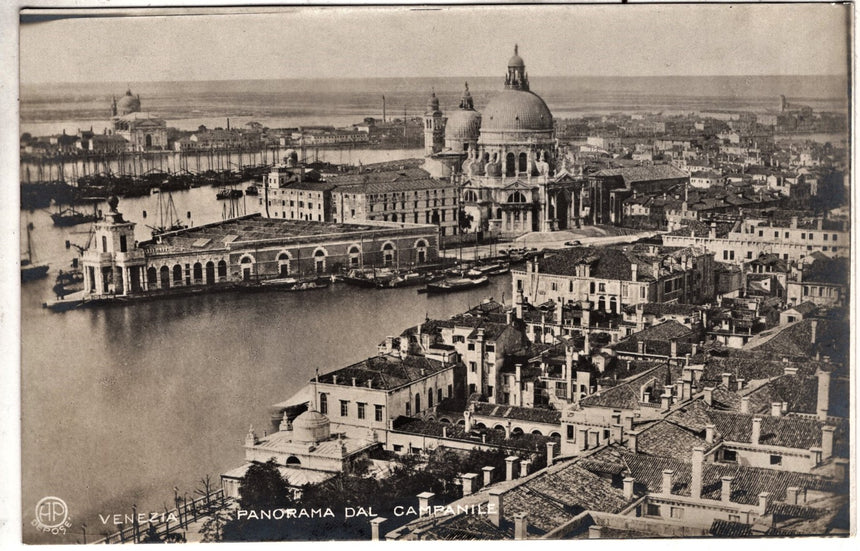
point(122, 403)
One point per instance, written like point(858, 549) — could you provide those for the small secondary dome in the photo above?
point(311, 427)
point(516, 60)
point(128, 104)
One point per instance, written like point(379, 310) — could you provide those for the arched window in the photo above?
point(470, 197)
point(323, 404)
point(177, 274)
point(151, 277)
point(439, 395)
point(591, 287)
point(210, 273)
point(430, 398)
point(165, 277)
point(510, 164)
point(222, 270)
point(283, 265)
point(319, 261)
point(516, 197)
point(421, 248)
point(524, 162)
point(613, 305)
point(388, 254)
point(417, 402)
point(354, 256)
point(293, 460)
point(247, 267)
point(198, 272)
point(601, 303)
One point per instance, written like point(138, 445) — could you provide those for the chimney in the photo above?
point(709, 433)
point(666, 399)
point(424, 503)
point(741, 383)
point(616, 434)
point(488, 475)
point(633, 441)
point(521, 526)
point(763, 499)
point(550, 453)
point(568, 370)
point(667, 482)
point(708, 395)
point(813, 326)
point(582, 438)
point(745, 404)
point(628, 487)
point(673, 348)
point(634, 269)
point(559, 313)
point(756, 431)
point(776, 409)
point(375, 527)
point(791, 495)
point(334, 379)
point(510, 467)
point(823, 403)
point(827, 442)
point(495, 508)
point(509, 316)
point(353, 381)
point(641, 346)
point(519, 304)
point(444, 431)
point(696, 472)
point(727, 380)
point(595, 532)
point(726, 489)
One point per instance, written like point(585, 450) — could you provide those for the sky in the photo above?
point(460, 41)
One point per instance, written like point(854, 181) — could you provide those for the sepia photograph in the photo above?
point(451, 272)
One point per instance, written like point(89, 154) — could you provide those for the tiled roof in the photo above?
point(385, 372)
point(605, 263)
point(657, 338)
point(728, 529)
point(666, 439)
point(788, 431)
point(559, 495)
point(634, 174)
point(665, 308)
point(748, 482)
point(626, 395)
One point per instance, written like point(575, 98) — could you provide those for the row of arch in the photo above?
point(175, 276)
point(500, 428)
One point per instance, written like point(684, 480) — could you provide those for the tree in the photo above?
point(263, 487)
point(465, 219)
point(212, 529)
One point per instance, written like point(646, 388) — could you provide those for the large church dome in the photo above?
point(516, 110)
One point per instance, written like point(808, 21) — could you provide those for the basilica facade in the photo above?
point(142, 130)
point(506, 160)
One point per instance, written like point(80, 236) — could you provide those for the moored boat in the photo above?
point(30, 270)
point(451, 285)
point(228, 194)
point(72, 217)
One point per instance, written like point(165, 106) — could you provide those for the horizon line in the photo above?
point(127, 82)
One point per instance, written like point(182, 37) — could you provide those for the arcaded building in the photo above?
point(250, 248)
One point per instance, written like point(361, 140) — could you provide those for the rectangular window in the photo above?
point(571, 435)
point(450, 391)
point(776, 460)
point(786, 235)
point(491, 348)
point(344, 408)
point(803, 236)
point(473, 367)
point(730, 456)
point(825, 237)
point(122, 243)
point(459, 338)
point(749, 254)
point(652, 510)
point(554, 286)
point(776, 234)
point(731, 255)
point(471, 346)
point(834, 237)
point(490, 390)
point(362, 407)
point(760, 233)
point(734, 518)
point(677, 512)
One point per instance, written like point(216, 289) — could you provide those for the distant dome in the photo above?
point(516, 110)
point(433, 103)
point(128, 104)
point(463, 125)
point(311, 427)
point(516, 60)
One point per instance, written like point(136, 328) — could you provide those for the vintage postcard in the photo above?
point(508, 272)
